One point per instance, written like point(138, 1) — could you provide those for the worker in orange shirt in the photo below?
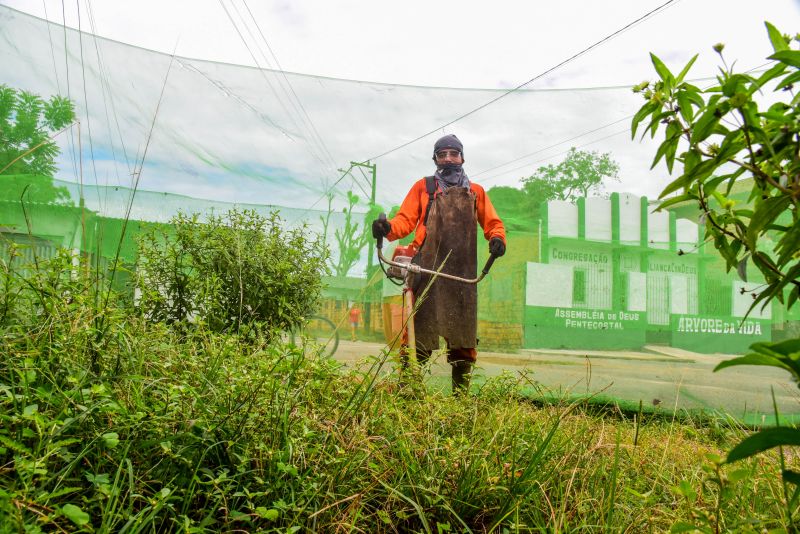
point(444, 211)
point(355, 314)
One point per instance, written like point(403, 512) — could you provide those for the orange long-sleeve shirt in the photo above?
point(412, 212)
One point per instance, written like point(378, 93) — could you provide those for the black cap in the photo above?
point(448, 141)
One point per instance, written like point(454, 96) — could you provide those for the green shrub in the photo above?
point(240, 271)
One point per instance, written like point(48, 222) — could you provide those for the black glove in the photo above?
point(380, 228)
point(496, 247)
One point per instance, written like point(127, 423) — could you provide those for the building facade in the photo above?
point(615, 274)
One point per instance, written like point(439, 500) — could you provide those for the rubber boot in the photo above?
point(462, 373)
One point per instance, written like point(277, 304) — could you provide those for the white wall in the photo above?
point(562, 219)
point(630, 219)
point(686, 236)
point(637, 291)
point(548, 285)
point(598, 219)
point(658, 229)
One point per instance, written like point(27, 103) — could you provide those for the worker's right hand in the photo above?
point(380, 228)
point(496, 247)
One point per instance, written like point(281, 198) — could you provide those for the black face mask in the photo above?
point(449, 168)
point(451, 174)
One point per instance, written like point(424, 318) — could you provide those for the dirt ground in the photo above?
point(660, 376)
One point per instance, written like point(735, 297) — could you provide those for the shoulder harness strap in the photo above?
point(430, 187)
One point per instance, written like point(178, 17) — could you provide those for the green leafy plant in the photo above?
point(721, 137)
point(232, 271)
point(724, 140)
point(353, 237)
point(721, 486)
point(25, 123)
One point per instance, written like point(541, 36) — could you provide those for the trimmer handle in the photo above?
point(381, 217)
point(489, 263)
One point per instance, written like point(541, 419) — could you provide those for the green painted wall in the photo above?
point(576, 328)
point(722, 334)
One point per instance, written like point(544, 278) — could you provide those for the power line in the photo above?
point(538, 151)
point(108, 95)
point(258, 66)
point(69, 90)
point(318, 156)
point(85, 100)
point(288, 83)
point(327, 191)
point(546, 148)
point(52, 48)
point(558, 154)
point(605, 39)
point(503, 95)
point(310, 133)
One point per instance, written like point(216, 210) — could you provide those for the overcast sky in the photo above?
point(467, 44)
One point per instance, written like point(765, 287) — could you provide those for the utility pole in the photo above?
point(372, 168)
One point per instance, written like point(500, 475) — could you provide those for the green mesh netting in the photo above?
point(602, 297)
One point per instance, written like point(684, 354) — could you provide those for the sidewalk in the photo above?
point(657, 375)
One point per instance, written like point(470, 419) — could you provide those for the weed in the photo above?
point(146, 427)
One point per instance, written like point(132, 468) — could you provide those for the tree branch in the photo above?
point(754, 168)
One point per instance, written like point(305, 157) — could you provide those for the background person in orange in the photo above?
point(355, 314)
point(444, 210)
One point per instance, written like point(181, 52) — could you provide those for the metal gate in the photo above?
point(658, 302)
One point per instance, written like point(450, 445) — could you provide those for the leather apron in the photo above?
point(448, 308)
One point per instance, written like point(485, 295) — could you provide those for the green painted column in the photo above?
point(673, 232)
point(615, 219)
point(618, 280)
point(544, 234)
point(701, 237)
point(702, 301)
point(644, 234)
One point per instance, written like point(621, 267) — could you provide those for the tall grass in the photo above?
point(199, 431)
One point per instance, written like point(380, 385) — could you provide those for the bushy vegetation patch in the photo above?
point(113, 421)
point(200, 431)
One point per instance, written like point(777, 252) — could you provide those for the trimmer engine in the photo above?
point(402, 254)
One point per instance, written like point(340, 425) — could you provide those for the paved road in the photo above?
point(660, 376)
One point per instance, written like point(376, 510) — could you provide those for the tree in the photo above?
point(25, 123)
point(579, 174)
point(720, 137)
point(26, 149)
point(517, 209)
point(39, 189)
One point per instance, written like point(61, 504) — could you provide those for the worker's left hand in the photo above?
point(496, 247)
